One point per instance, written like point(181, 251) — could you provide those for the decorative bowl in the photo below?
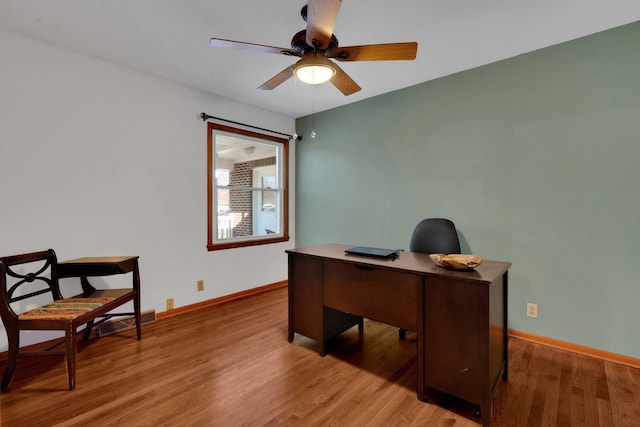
point(456, 262)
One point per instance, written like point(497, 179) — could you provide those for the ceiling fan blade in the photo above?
point(376, 52)
point(343, 82)
point(278, 79)
point(321, 18)
point(252, 46)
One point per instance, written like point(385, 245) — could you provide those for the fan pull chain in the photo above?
point(313, 112)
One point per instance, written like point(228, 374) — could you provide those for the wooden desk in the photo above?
point(104, 266)
point(460, 316)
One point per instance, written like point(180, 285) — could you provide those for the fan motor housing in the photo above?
point(299, 43)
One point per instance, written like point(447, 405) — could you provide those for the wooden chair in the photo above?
point(30, 279)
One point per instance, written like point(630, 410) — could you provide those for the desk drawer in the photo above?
point(376, 293)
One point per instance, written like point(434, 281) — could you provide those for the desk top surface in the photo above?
point(413, 262)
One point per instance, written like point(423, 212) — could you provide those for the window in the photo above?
point(247, 188)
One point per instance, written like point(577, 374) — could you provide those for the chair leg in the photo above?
point(136, 301)
point(87, 331)
point(13, 337)
point(138, 316)
point(72, 354)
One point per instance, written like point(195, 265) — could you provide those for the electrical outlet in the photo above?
point(169, 304)
point(532, 310)
point(200, 285)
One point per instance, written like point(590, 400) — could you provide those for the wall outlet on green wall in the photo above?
point(532, 310)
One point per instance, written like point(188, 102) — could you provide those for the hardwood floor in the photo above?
point(231, 365)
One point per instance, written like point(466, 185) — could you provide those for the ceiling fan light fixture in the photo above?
point(314, 70)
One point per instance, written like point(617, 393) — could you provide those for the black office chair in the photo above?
point(434, 236)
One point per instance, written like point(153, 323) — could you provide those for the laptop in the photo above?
point(373, 252)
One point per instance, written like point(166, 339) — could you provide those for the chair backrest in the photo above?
point(435, 235)
point(17, 283)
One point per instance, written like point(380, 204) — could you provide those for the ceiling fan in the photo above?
point(317, 44)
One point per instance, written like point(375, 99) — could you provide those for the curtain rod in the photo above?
point(205, 117)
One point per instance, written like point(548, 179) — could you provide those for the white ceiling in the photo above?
point(170, 38)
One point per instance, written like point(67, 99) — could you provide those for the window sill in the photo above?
point(245, 243)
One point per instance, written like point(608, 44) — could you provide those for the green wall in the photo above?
point(535, 159)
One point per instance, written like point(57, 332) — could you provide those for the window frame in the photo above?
point(212, 245)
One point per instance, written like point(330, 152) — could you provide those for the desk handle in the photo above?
point(364, 267)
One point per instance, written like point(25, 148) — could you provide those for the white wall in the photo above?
point(96, 159)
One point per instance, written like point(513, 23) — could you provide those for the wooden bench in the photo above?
point(30, 279)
